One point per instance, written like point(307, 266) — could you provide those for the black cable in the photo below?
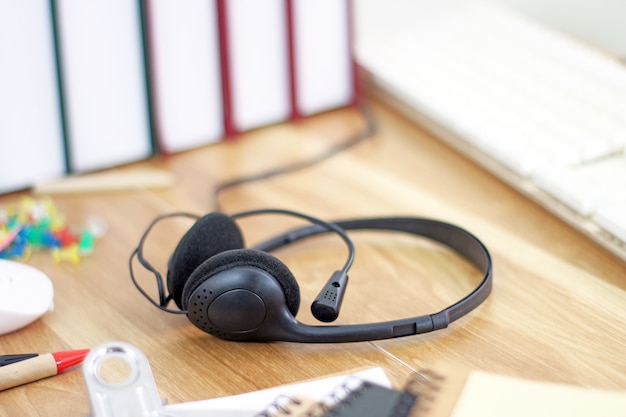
point(138, 253)
point(331, 227)
point(369, 130)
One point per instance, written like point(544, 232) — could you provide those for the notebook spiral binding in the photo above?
point(425, 386)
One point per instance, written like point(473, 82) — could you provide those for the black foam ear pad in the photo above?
point(210, 235)
point(246, 257)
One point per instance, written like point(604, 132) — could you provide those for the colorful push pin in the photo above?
point(69, 254)
point(17, 249)
point(20, 252)
point(66, 237)
point(86, 242)
point(7, 237)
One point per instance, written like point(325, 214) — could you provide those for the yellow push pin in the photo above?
point(70, 253)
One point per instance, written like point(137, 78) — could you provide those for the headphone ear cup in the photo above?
point(210, 235)
point(246, 257)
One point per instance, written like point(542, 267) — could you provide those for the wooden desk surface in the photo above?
point(557, 311)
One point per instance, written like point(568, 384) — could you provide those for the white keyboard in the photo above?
point(540, 110)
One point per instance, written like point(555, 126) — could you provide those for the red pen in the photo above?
point(39, 367)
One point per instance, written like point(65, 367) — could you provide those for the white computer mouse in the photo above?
point(26, 294)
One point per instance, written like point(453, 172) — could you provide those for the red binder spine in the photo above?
point(222, 18)
point(291, 50)
point(357, 88)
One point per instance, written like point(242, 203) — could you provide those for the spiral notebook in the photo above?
point(449, 390)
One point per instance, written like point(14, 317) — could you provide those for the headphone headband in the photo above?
point(458, 239)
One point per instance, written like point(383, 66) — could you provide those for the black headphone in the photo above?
point(250, 295)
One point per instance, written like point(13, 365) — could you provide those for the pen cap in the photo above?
point(69, 358)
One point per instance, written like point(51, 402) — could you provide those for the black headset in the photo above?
point(249, 295)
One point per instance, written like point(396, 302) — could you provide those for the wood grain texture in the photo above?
point(557, 311)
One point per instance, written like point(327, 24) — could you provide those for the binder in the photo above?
point(323, 64)
point(103, 82)
point(31, 133)
point(254, 62)
point(184, 71)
